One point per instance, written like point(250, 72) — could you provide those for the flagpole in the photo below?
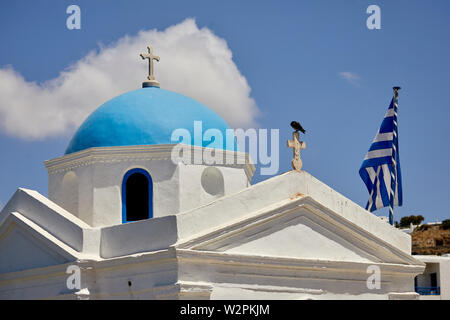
point(394, 159)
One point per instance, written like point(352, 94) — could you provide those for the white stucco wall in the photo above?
point(97, 175)
point(219, 250)
point(151, 255)
point(194, 194)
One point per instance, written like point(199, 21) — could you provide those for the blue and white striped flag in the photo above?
point(380, 169)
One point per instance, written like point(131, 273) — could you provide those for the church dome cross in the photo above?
point(151, 78)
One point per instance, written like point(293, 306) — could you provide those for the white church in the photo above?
point(124, 221)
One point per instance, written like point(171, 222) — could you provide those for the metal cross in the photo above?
point(150, 58)
point(296, 146)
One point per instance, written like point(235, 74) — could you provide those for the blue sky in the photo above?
point(293, 54)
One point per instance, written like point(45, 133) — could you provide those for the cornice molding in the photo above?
point(271, 264)
point(141, 153)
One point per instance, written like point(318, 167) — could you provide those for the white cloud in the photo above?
point(351, 77)
point(194, 62)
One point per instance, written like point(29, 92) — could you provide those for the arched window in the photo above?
point(137, 196)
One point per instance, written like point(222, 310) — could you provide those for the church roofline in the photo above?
point(290, 189)
point(290, 185)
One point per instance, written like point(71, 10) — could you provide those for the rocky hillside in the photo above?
point(430, 239)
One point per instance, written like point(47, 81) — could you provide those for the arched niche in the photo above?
point(69, 192)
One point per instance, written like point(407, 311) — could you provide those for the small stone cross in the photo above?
point(150, 58)
point(296, 146)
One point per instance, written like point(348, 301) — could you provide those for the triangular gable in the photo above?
point(300, 228)
point(24, 245)
point(47, 215)
point(301, 238)
point(277, 190)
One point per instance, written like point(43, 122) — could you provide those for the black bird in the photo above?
point(297, 126)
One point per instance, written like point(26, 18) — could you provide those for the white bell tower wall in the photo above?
point(89, 183)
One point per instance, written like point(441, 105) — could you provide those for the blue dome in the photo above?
point(144, 117)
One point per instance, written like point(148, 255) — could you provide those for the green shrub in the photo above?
point(415, 220)
point(446, 224)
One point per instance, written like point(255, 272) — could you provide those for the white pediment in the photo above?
point(22, 247)
point(303, 239)
point(302, 229)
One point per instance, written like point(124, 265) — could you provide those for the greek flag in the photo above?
point(380, 169)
